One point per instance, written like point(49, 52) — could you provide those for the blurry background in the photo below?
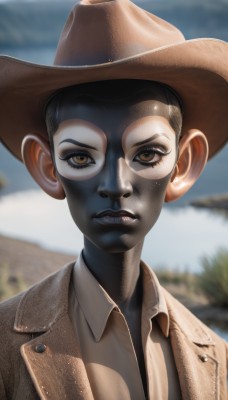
point(29, 30)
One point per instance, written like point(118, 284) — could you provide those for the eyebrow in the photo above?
point(78, 143)
point(150, 139)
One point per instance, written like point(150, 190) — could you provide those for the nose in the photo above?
point(115, 183)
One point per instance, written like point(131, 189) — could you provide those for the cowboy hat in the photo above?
point(115, 39)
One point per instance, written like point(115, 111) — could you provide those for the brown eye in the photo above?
point(146, 156)
point(80, 159)
point(150, 156)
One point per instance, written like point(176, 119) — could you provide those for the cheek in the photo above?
point(78, 195)
point(149, 198)
point(153, 193)
point(151, 207)
point(80, 203)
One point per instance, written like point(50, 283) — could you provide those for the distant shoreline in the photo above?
point(28, 23)
point(218, 202)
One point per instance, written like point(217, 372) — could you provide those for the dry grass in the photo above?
point(9, 284)
point(22, 264)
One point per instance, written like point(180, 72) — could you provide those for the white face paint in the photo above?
point(150, 147)
point(79, 148)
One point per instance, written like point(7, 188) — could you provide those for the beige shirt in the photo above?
point(106, 344)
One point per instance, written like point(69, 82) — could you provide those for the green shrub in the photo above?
point(175, 277)
point(214, 278)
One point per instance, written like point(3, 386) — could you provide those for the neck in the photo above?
point(118, 274)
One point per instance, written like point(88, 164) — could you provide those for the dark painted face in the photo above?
point(114, 162)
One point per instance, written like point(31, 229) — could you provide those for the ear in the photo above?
point(37, 158)
point(193, 154)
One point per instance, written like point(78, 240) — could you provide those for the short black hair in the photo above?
point(114, 91)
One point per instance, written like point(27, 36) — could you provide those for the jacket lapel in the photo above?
point(198, 370)
point(55, 364)
point(53, 358)
point(193, 351)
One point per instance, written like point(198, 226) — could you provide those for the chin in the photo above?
point(120, 244)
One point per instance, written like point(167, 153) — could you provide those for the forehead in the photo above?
point(113, 102)
point(114, 108)
point(112, 116)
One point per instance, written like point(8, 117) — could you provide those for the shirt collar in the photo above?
point(91, 296)
point(154, 303)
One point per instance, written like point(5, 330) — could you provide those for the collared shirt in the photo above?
point(106, 344)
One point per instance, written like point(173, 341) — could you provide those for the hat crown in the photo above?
point(103, 31)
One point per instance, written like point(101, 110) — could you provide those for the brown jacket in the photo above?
point(40, 357)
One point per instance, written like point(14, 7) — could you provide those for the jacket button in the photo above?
point(204, 358)
point(40, 348)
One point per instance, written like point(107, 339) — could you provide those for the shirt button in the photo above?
point(204, 358)
point(40, 348)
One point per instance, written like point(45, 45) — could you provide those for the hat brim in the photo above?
point(196, 69)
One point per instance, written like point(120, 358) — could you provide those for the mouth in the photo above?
point(120, 217)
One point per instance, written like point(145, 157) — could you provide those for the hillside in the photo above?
point(40, 23)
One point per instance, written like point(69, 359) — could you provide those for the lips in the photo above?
point(115, 217)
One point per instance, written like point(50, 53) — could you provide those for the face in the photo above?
point(114, 162)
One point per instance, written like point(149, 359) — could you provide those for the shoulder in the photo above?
point(8, 309)
point(184, 320)
point(10, 343)
point(193, 341)
point(26, 316)
point(34, 301)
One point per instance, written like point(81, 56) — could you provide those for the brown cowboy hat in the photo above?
point(115, 39)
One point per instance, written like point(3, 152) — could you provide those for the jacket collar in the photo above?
point(38, 314)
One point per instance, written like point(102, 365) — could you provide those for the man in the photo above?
point(124, 121)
